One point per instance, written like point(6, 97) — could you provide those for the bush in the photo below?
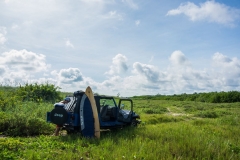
point(156, 119)
point(155, 110)
point(230, 120)
point(21, 125)
point(207, 114)
point(7, 99)
point(39, 92)
point(4, 121)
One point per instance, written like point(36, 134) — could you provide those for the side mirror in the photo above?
point(122, 106)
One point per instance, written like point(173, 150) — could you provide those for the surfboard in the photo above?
point(90, 96)
point(86, 117)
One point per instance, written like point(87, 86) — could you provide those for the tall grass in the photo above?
point(169, 130)
point(175, 140)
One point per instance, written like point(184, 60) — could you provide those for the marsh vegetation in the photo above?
point(170, 129)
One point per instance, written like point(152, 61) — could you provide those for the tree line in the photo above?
point(211, 97)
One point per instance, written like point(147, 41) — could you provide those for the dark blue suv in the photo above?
point(110, 114)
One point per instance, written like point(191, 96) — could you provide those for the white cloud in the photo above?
point(112, 82)
point(15, 26)
point(72, 79)
point(178, 58)
point(119, 65)
point(36, 11)
point(130, 3)
point(20, 66)
point(180, 77)
point(222, 60)
point(113, 15)
point(69, 44)
point(130, 85)
point(70, 75)
point(46, 14)
point(3, 33)
point(2, 39)
point(93, 1)
point(151, 59)
point(137, 22)
point(210, 10)
point(147, 71)
point(228, 67)
point(2, 70)
point(24, 60)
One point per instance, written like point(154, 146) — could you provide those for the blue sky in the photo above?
point(131, 47)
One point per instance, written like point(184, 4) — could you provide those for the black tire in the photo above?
point(134, 123)
point(71, 131)
point(59, 116)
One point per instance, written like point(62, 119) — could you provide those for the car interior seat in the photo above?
point(103, 113)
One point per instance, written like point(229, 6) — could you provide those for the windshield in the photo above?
point(126, 105)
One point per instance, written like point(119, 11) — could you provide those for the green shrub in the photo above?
point(4, 121)
point(153, 109)
point(9, 147)
point(207, 114)
point(22, 125)
point(39, 92)
point(230, 120)
point(7, 99)
point(155, 119)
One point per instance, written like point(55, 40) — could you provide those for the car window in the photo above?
point(110, 102)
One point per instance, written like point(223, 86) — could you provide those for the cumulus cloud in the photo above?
point(222, 60)
point(24, 60)
point(180, 77)
point(178, 58)
point(148, 71)
point(230, 67)
point(21, 66)
point(112, 81)
point(128, 85)
point(69, 75)
point(119, 65)
point(210, 10)
point(145, 78)
point(72, 79)
point(177, 78)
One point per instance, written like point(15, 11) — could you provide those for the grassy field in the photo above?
point(169, 130)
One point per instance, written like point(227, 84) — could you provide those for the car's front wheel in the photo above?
point(134, 123)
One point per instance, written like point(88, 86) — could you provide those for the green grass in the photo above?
point(175, 140)
point(169, 130)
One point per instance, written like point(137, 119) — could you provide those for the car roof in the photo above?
point(103, 96)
